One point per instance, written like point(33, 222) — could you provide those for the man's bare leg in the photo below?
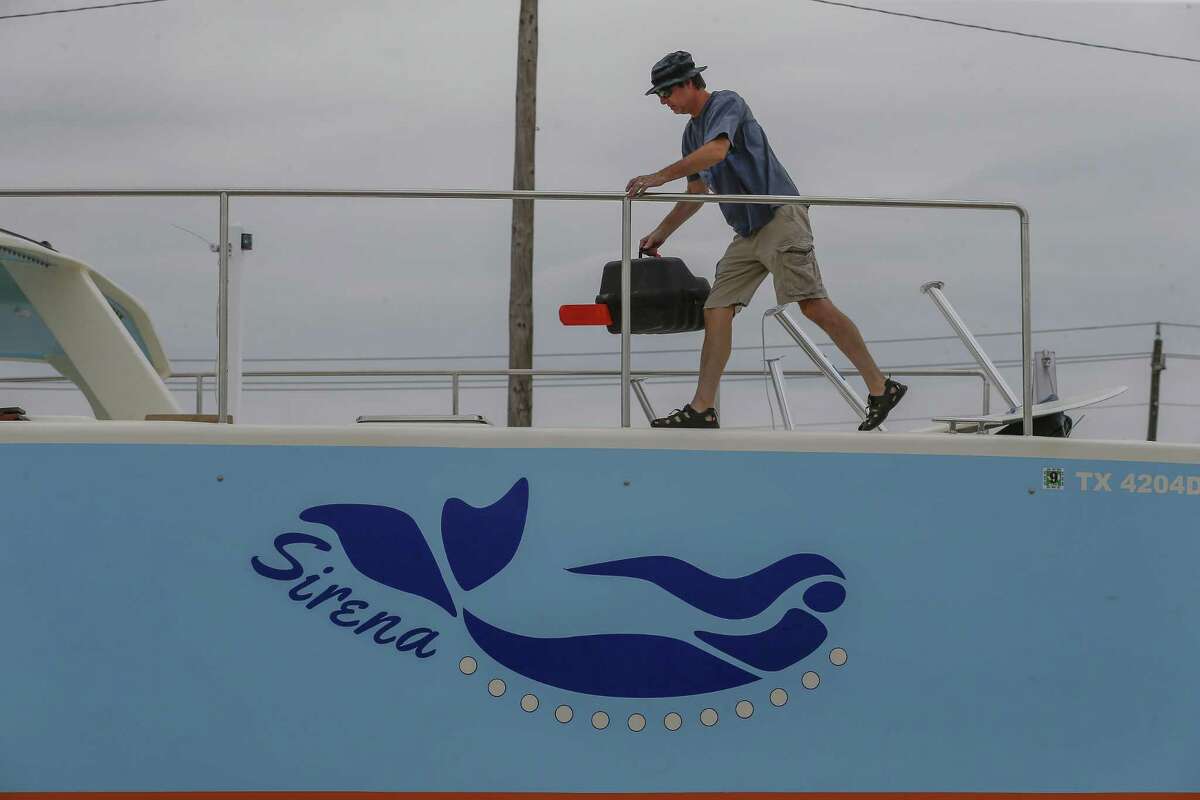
point(845, 335)
point(718, 341)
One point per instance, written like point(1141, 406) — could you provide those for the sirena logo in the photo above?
point(386, 546)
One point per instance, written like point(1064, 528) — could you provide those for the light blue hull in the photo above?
point(998, 635)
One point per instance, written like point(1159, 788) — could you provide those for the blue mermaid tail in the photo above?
point(729, 598)
point(387, 546)
point(480, 542)
point(609, 665)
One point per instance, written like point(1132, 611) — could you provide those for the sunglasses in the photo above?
point(666, 90)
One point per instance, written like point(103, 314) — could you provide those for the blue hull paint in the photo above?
point(997, 639)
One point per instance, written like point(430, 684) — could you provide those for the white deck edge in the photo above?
point(459, 436)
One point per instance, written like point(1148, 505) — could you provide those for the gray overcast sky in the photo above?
point(1100, 146)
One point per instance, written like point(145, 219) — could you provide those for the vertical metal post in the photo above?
point(223, 312)
point(454, 393)
point(240, 247)
point(934, 290)
point(780, 397)
point(199, 394)
point(626, 280)
point(1026, 330)
point(987, 396)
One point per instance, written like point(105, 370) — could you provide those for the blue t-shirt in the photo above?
point(750, 167)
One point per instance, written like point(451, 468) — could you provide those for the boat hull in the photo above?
point(1012, 616)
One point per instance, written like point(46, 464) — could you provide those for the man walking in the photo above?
point(726, 150)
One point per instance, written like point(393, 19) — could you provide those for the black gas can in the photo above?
point(664, 295)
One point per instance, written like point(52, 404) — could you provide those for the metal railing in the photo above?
point(224, 195)
point(456, 376)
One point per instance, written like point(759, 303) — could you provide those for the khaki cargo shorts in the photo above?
point(784, 248)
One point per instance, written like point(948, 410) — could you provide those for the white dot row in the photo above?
point(637, 722)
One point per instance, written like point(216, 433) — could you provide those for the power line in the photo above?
point(1006, 30)
point(1094, 358)
point(81, 8)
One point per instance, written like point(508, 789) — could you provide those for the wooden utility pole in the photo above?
point(520, 289)
point(1157, 365)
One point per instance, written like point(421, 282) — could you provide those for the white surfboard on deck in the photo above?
point(979, 423)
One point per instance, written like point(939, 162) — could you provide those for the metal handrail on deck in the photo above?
point(455, 376)
point(223, 196)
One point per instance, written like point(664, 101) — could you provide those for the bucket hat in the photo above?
point(671, 69)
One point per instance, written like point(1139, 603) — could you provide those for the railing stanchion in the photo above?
point(626, 280)
point(934, 291)
point(199, 394)
point(780, 395)
point(640, 391)
point(223, 312)
point(820, 361)
point(454, 393)
point(1026, 329)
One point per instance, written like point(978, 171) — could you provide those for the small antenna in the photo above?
point(213, 247)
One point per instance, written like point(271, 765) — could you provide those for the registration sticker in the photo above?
point(1052, 478)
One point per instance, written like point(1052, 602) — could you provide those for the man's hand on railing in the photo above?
point(641, 183)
